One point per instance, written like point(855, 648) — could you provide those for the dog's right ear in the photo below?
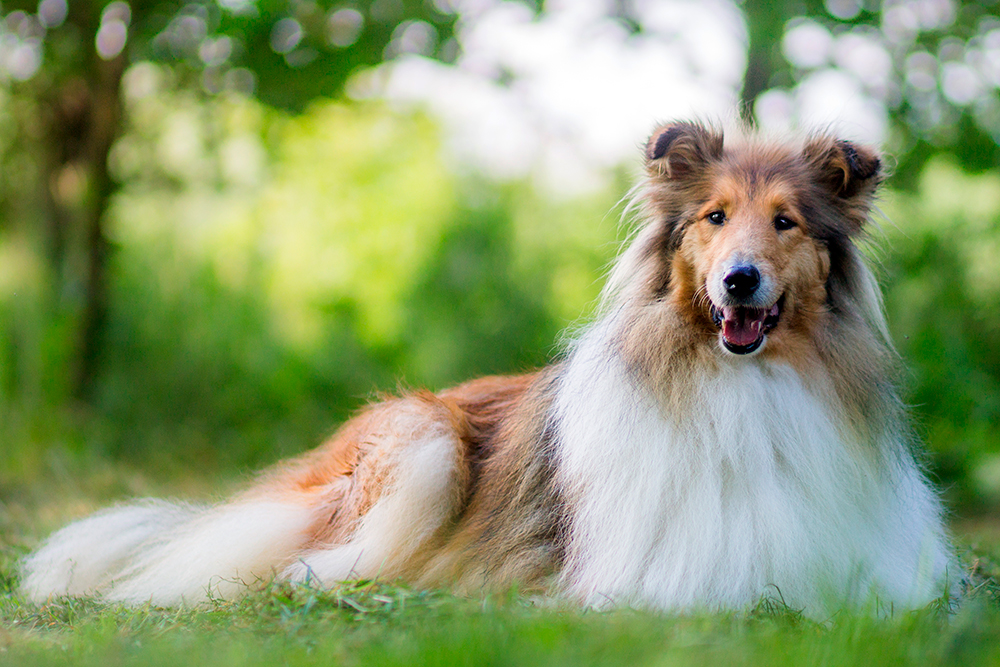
point(678, 150)
point(844, 168)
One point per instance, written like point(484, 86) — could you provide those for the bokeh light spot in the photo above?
point(286, 35)
point(343, 27)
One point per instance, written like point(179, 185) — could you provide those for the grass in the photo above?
point(385, 624)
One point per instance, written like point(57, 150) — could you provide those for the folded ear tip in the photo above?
point(659, 143)
point(680, 148)
point(846, 168)
point(862, 161)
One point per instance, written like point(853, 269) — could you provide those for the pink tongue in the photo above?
point(743, 326)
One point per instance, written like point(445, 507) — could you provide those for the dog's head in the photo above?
point(751, 234)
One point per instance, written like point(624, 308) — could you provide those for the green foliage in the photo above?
point(942, 273)
point(287, 53)
point(272, 273)
point(63, 64)
point(470, 314)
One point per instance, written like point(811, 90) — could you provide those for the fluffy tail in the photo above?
point(168, 553)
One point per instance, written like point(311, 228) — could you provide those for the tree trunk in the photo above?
point(765, 25)
point(755, 80)
point(104, 128)
point(84, 118)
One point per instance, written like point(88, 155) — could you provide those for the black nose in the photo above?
point(742, 281)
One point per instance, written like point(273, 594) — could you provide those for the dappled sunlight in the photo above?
point(355, 203)
point(942, 269)
point(955, 197)
point(21, 270)
point(271, 271)
point(854, 77)
point(354, 208)
point(567, 96)
point(963, 208)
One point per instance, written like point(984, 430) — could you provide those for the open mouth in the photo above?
point(743, 328)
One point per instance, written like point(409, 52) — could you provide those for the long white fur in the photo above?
point(759, 490)
point(166, 553)
point(218, 553)
point(81, 558)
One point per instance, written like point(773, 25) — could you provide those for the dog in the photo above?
point(726, 430)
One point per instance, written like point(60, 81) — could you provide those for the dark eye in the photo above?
point(781, 223)
point(717, 217)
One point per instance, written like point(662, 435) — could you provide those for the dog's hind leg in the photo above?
point(395, 501)
point(372, 501)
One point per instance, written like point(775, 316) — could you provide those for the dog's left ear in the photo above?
point(677, 151)
point(845, 168)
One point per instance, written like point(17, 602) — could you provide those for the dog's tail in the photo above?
point(168, 553)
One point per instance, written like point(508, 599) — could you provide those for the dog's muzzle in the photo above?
point(743, 327)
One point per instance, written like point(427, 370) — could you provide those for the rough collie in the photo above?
point(726, 429)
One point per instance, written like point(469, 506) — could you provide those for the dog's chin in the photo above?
point(743, 329)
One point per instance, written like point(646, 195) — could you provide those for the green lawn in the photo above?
point(384, 624)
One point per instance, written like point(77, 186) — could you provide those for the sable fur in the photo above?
point(660, 464)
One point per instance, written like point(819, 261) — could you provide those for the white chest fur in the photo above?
point(756, 490)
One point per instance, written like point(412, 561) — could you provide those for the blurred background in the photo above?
point(227, 224)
